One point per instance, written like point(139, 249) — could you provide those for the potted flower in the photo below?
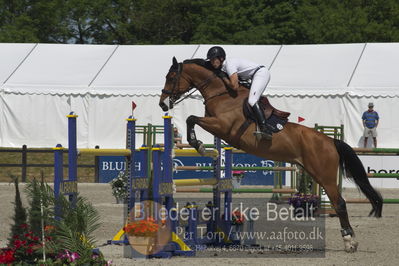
point(304, 205)
point(120, 187)
point(142, 234)
point(237, 222)
point(237, 218)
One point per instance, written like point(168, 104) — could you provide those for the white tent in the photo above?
point(325, 84)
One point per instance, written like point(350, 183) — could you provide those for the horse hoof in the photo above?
point(201, 149)
point(350, 244)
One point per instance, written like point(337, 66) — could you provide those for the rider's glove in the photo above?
point(221, 74)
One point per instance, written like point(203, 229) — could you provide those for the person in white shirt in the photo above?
point(241, 69)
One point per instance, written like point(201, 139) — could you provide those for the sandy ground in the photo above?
point(378, 238)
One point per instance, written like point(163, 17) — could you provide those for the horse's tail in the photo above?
point(355, 169)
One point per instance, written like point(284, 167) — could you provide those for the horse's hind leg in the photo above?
point(323, 167)
point(340, 207)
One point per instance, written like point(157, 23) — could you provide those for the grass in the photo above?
point(84, 174)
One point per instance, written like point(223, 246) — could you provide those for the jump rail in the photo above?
point(240, 190)
point(387, 201)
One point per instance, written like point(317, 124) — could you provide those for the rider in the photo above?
point(243, 69)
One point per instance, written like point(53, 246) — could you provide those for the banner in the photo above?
point(110, 166)
point(379, 164)
point(255, 177)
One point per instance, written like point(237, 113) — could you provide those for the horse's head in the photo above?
point(175, 86)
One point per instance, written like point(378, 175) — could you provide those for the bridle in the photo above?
point(175, 95)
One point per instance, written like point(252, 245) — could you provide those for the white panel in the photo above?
point(140, 69)
point(261, 54)
point(346, 110)
point(325, 111)
point(388, 128)
point(314, 69)
point(2, 121)
point(377, 72)
point(12, 54)
point(107, 118)
point(59, 68)
point(38, 120)
point(107, 124)
point(33, 120)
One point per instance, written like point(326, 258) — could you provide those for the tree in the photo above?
point(78, 21)
point(112, 22)
point(383, 17)
point(15, 24)
point(201, 21)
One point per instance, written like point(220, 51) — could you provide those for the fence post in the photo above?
point(24, 162)
point(96, 163)
point(58, 177)
point(70, 185)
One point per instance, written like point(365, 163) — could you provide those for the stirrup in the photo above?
point(262, 135)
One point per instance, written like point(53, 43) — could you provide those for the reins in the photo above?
point(186, 96)
point(214, 96)
point(199, 87)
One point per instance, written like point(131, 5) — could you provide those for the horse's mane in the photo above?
point(207, 64)
point(201, 62)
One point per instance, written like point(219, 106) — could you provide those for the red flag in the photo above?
point(133, 105)
point(300, 119)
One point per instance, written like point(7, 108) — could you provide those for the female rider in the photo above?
point(243, 69)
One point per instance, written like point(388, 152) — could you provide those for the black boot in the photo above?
point(260, 117)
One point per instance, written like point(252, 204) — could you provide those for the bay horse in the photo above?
point(318, 154)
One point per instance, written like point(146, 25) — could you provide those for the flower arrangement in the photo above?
point(40, 239)
point(7, 256)
point(23, 247)
point(238, 174)
point(304, 204)
point(237, 218)
point(300, 199)
point(120, 186)
point(237, 178)
point(144, 227)
point(68, 256)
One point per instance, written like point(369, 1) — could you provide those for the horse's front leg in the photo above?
point(210, 124)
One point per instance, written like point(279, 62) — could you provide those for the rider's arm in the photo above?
point(232, 82)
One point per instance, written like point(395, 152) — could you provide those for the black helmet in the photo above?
point(216, 51)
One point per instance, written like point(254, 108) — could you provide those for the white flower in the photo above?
point(119, 185)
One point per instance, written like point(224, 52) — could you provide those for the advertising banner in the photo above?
point(110, 166)
point(379, 164)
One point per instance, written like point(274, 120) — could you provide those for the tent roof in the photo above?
point(139, 68)
point(314, 69)
point(11, 56)
point(359, 69)
point(377, 72)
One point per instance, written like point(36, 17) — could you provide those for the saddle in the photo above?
point(275, 118)
point(270, 112)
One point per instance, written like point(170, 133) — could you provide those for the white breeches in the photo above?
point(259, 83)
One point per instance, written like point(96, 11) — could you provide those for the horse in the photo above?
point(319, 155)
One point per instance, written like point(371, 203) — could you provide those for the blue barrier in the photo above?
point(110, 166)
